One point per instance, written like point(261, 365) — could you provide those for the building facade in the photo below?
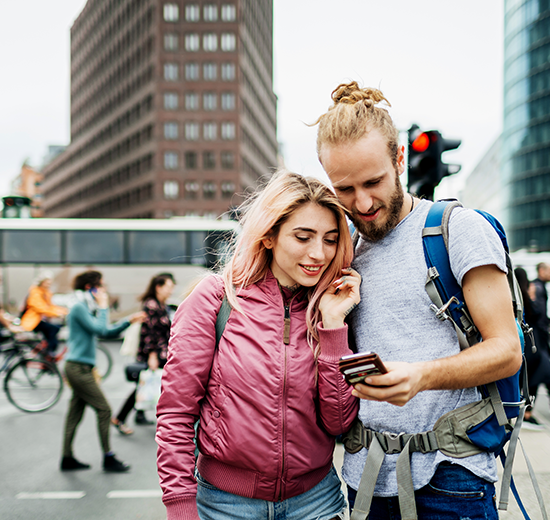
point(29, 184)
point(172, 109)
point(526, 136)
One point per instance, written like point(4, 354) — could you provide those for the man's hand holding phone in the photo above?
point(357, 367)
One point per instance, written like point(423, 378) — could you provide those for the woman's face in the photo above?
point(305, 246)
point(164, 292)
point(46, 284)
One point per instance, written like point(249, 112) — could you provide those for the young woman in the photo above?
point(153, 344)
point(269, 396)
point(89, 318)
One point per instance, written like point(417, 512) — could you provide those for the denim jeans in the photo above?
point(453, 493)
point(325, 501)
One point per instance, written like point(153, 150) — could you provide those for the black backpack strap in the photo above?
point(221, 320)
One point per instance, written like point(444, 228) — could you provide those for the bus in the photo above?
point(129, 252)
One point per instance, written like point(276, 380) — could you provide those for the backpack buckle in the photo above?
point(393, 442)
point(441, 312)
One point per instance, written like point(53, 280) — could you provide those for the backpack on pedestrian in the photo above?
point(487, 425)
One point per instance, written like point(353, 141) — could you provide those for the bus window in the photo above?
point(197, 247)
point(27, 246)
point(157, 247)
point(95, 247)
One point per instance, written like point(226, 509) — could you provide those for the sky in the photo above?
point(438, 62)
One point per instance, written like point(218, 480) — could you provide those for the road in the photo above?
point(31, 485)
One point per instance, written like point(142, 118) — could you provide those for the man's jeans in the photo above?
point(452, 493)
point(325, 501)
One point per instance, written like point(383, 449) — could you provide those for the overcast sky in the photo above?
point(439, 62)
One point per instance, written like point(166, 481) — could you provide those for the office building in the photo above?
point(172, 109)
point(526, 136)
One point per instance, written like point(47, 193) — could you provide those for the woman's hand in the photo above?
point(340, 298)
point(153, 361)
point(101, 297)
point(138, 317)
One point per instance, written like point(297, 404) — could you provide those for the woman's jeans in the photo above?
point(452, 493)
point(325, 501)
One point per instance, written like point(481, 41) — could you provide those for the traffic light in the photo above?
point(426, 168)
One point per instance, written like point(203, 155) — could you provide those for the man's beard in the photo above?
point(375, 231)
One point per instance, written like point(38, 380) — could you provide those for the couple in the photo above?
point(269, 395)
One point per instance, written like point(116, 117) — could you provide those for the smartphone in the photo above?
point(356, 367)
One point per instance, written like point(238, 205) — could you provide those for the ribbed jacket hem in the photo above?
point(334, 343)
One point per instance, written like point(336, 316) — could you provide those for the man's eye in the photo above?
point(344, 189)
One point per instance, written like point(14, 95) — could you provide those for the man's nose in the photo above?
point(363, 201)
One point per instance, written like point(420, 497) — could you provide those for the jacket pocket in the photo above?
point(214, 415)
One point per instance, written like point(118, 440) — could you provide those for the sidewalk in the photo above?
point(537, 447)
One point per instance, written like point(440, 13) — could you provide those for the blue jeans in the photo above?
point(325, 501)
point(452, 493)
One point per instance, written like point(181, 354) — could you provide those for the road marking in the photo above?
point(52, 495)
point(137, 493)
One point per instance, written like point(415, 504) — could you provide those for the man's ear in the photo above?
point(400, 160)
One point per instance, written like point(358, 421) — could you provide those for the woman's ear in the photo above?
point(268, 243)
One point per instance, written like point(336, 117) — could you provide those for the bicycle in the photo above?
point(32, 384)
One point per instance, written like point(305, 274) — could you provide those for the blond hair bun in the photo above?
point(351, 93)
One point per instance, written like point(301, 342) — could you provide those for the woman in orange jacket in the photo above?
point(39, 308)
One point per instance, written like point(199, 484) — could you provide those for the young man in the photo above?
point(428, 375)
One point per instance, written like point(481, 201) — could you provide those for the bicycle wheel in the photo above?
point(33, 385)
point(103, 361)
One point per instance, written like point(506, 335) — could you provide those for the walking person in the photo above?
point(89, 318)
point(428, 374)
point(269, 395)
point(153, 344)
point(39, 309)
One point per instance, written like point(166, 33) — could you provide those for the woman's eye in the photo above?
point(331, 241)
point(303, 239)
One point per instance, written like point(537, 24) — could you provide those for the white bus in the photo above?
point(127, 251)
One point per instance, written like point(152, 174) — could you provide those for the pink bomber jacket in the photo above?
point(267, 425)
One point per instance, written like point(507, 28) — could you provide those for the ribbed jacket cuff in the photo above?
point(182, 509)
point(334, 343)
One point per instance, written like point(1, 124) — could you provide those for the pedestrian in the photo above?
point(539, 296)
point(269, 395)
point(39, 309)
point(428, 375)
point(89, 318)
point(153, 344)
point(537, 362)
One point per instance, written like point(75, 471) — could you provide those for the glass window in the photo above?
point(170, 130)
point(170, 160)
point(171, 71)
point(210, 42)
point(228, 71)
point(170, 101)
point(210, 13)
point(157, 247)
point(228, 160)
point(209, 101)
point(228, 42)
point(228, 131)
point(208, 160)
point(170, 42)
point(191, 189)
point(229, 13)
point(192, 13)
point(191, 71)
point(197, 247)
point(228, 189)
point(228, 101)
point(171, 190)
point(171, 13)
point(192, 42)
point(29, 246)
point(209, 71)
point(209, 190)
point(191, 161)
point(209, 132)
point(191, 101)
point(191, 131)
point(94, 247)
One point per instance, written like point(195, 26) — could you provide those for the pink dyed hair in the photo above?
point(264, 213)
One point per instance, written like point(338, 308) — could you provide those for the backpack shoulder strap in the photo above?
point(221, 320)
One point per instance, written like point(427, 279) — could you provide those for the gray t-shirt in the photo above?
point(394, 319)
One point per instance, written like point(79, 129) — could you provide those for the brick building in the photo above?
point(172, 109)
point(28, 184)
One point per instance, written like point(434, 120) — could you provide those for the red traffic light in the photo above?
point(421, 143)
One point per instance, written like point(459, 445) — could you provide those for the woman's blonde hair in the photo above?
point(264, 213)
point(353, 114)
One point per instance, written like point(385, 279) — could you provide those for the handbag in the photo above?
point(148, 391)
point(133, 370)
point(130, 343)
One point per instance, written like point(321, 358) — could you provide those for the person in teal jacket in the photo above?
point(89, 318)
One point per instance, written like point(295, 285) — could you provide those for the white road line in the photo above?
point(137, 493)
point(52, 495)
